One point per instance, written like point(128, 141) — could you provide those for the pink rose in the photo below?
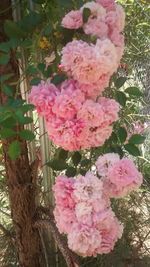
point(73, 20)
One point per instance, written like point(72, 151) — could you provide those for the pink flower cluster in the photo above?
point(88, 63)
point(84, 214)
point(43, 96)
point(107, 20)
point(83, 208)
point(92, 65)
point(74, 122)
point(73, 20)
point(119, 176)
point(76, 116)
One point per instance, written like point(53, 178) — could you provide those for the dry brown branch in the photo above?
point(48, 222)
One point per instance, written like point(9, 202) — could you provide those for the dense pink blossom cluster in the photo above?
point(73, 121)
point(77, 116)
point(120, 176)
point(84, 214)
point(83, 208)
point(92, 65)
point(107, 20)
point(88, 63)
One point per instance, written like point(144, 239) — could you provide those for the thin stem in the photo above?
point(44, 248)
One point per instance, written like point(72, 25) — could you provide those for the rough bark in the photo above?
point(22, 202)
point(20, 179)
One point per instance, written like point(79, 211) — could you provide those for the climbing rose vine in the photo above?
point(78, 116)
point(83, 207)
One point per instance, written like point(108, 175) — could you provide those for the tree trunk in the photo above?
point(20, 179)
point(22, 202)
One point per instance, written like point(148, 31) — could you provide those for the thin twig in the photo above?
point(5, 213)
point(44, 248)
point(68, 255)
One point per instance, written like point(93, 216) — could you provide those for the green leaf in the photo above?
point(22, 119)
point(15, 103)
point(5, 77)
point(57, 164)
point(86, 14)
point(26, 120)
point(71, 172)
point(15, 42)
point(67, 35)
point(27, 135)
point(7, 133)
point(122, 134)
point(19, 116)
point(12, 30)
point(85, 162)
point(63, 154)
point(31, 70)
point(9, 122)
point(83, 172)
point(35, 81)
point(113, 138)
point(121, 98)
point(132, 149)
point(76, 158)
point(27, 107)
point(107, 149)
point(4, 59)
point(26, 43)
point(8, 90)
point(5, 112)
point(117, 149)
point(41, 67)
point(14, 150)
point(120, 82)
point(137, 139)
point(31, 21)
point(134, 91)
point(59, 78)
point(5, 47)
point(47, 73)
